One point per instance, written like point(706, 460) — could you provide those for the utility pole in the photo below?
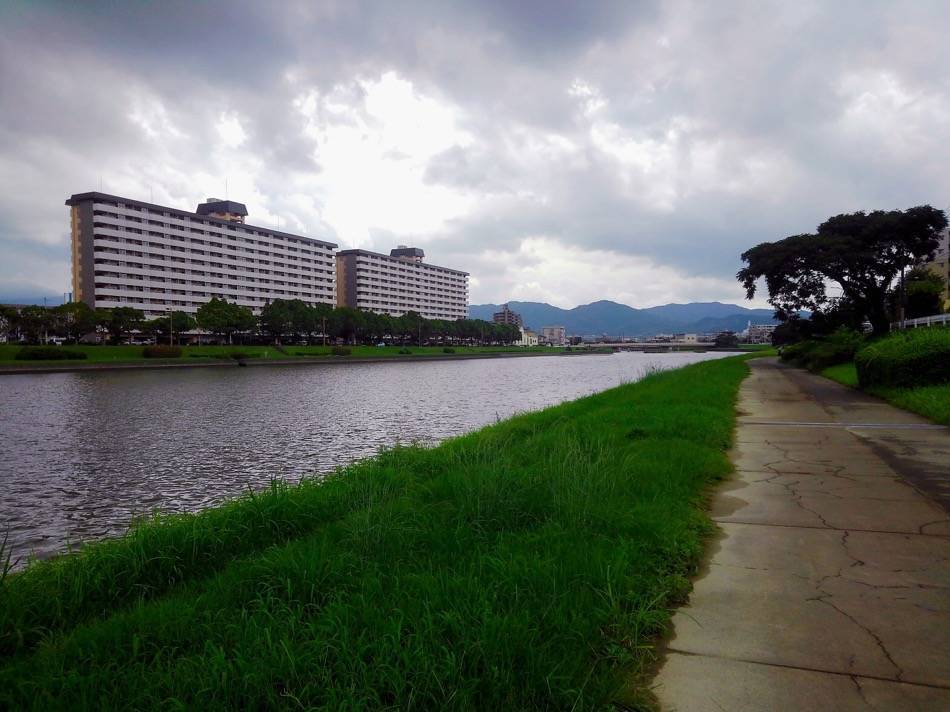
point(324, 319)
point(171, 329)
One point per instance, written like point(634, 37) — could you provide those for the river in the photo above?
point(82, 453)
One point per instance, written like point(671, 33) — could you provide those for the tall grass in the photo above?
point(528, 565)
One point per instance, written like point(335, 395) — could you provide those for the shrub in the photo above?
point(448, 350)
point(341, 351)
point(819, 354)
point(48, 353)
point(906, 359)
point(238, 355)
point(405, 352)
point(159, 351)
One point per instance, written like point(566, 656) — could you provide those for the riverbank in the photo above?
point(529, 564)
point(107, 358)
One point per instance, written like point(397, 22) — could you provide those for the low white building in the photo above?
point(528, 338)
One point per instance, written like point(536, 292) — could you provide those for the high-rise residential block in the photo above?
point(506, 316)
point(127, 253)
point(400, 282)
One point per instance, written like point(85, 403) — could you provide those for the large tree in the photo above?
point(219, 316)
point(119, 321)
point(35, 323)
point(861, 252)
point(923, 293)
point(74, 320)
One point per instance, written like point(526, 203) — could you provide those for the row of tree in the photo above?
point(856, 268)
point(279, 320)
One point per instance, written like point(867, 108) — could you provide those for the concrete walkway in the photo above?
point(828, 587)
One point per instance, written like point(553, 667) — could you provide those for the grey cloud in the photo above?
point(749, 89)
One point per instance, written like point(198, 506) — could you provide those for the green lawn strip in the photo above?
point(843, 373)
point(932, 402)
point(529, 564)
point(133, 354)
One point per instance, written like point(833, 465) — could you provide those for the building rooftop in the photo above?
point(397, 259)
point(78, 198)
point(215, 205)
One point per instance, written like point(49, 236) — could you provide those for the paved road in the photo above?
point(829, 584)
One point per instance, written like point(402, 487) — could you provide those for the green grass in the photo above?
point(844, 373)
point(133, 354)
point(932, 402)
point(528, 565)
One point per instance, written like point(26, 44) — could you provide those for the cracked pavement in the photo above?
point(827, 585)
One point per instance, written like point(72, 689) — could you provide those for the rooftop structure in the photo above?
point(223, 209)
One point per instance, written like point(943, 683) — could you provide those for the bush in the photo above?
point(819, 354)
point(48, 353)
point(448, 350)
point(239, 355)
point(906, 359)
point(161, 351)
point(341, 351)
point(405, 352)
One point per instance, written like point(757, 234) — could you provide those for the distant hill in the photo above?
point(613, 319)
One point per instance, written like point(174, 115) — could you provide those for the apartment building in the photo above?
point(151, 257)
point(506, 316)
point(554, 335)
point(940, 265)
point(400, 282)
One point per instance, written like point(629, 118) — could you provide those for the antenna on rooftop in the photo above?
point(227, 196)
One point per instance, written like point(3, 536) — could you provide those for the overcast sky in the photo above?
point(558, 151)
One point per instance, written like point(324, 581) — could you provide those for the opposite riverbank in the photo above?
point(529, 564)
point(105, 358)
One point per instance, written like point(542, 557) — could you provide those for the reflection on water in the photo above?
point(82, 453)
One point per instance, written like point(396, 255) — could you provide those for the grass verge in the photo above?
point(932, 402)
point(530, 564)
point(133, 354)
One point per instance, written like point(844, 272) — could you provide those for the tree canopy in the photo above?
point(219, 316)
point(860, 252)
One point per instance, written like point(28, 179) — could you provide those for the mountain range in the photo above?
point(613, 319)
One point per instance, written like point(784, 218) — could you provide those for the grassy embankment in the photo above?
point(133, 354)
point(930, 401)
point(530, 564)
point(910, 369)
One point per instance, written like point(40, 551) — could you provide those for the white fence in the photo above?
point(936, 320)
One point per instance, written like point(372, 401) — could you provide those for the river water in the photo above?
point(83, 453)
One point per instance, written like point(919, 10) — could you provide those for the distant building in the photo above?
point(759, 333)
point(940, 265)
point(686, 338)
point(528, 337)
point(400, 282)
point(554, 335)
point(506, 316)
point(127, 253)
